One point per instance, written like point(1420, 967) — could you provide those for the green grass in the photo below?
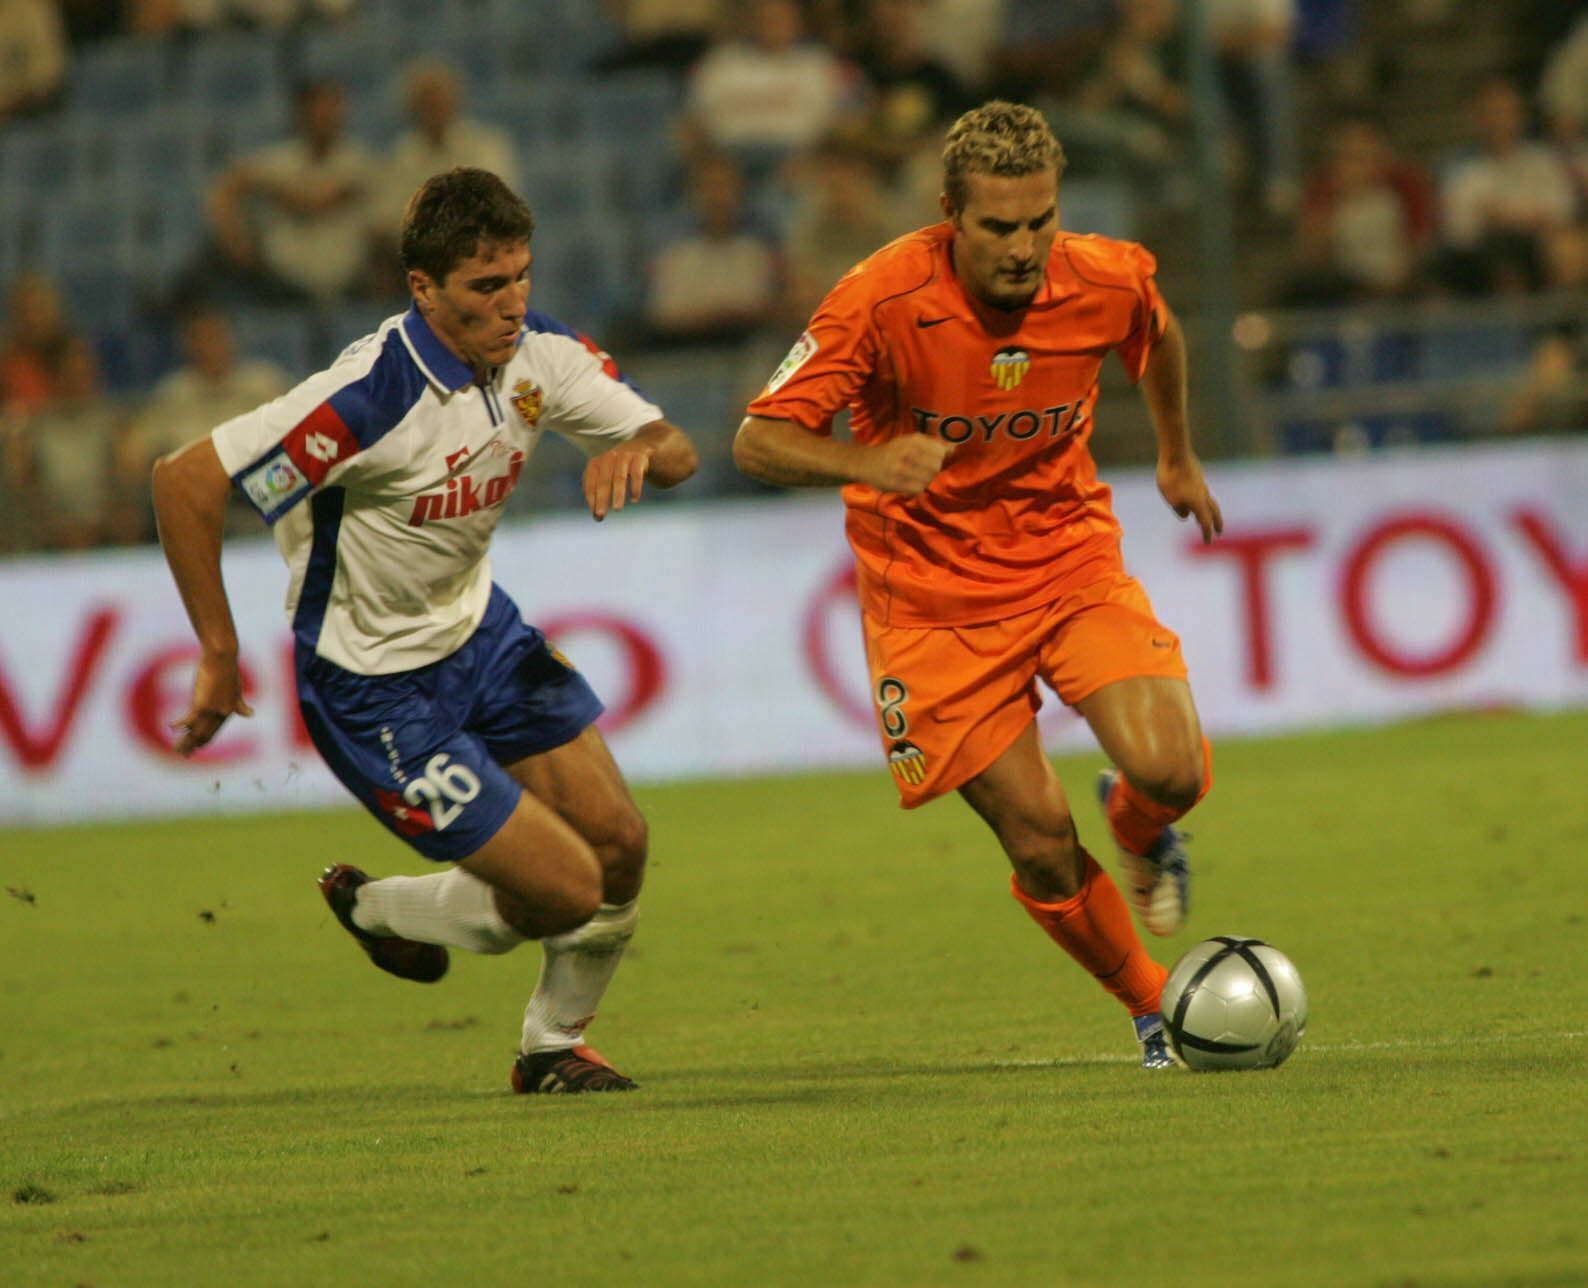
point(860, 1063)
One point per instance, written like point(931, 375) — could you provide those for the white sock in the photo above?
point(452, 907)
point(578, 967)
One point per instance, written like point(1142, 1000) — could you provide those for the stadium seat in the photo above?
point(49, 155)
point(538, 111)
point(282, 335)
point(81, 231)
point(1099, 205)
point(119, 77)
point(236, 75)
point(633, 107)
point(1465, 352)
point(360, 57)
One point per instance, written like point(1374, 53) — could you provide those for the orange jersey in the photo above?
point(1017, 517)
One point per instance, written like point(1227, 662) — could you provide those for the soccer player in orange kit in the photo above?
point(987, 552)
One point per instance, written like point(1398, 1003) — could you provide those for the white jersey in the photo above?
point(406, 463)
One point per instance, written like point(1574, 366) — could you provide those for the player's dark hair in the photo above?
point(1000, 138)
point(453, 215)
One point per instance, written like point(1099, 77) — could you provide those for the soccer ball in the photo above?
point(1234, 1003)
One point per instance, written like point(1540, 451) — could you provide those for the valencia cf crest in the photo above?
point(908, 763)
point(527, 399)
point(1009, 367)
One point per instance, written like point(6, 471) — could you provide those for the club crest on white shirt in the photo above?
point(527, 400)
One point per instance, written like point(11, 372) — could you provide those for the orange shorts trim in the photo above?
point(950, 700)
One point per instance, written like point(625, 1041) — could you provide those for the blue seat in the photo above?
point(86, 231)
point(635, 108)
point(538, 111)
point(1481, 349)
point(283, 335)
point(1099, 205)
point(119, 77)
point(236, 74)
point(362, 58)
point(49, 156)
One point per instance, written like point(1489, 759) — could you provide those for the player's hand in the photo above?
point(1183, 487)
point(614, 478)
point(906, 464)
point(217, 696)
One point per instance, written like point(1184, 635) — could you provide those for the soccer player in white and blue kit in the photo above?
point(450, 719)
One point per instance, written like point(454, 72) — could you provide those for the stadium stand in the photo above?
point(105, 193)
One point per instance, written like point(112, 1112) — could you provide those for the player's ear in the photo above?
point(421, 285)
point(949, 212)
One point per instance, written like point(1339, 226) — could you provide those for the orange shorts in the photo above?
point(951, 699)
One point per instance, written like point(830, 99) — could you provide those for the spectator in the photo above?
point(1253, 39)
point(32, 345)
point(1124, 109)
point(32, 56)
point(63, 461)
point(276, 15)
point(1563, 87)
point(669, 34)
point(1043, 44)
point(766, 95)
point(211, 387)
point(1553, 395)
point(913, 94)
point(1367, 219)
point(964, 34)
point(292, 217)
point(842, 219)
point(722, 277)
point(438, 140)
point(1509, 185)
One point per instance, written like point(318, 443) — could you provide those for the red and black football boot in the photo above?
point(566, 1072)
point(404, 958)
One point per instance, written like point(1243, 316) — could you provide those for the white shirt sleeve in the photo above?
point(592, 405)
point(292, 446)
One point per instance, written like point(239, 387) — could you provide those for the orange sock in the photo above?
point(1136, 820)
point(1094, 927)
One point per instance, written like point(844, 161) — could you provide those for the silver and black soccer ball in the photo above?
point(1234, 1003)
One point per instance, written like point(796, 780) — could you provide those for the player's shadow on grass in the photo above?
point(825, 1071)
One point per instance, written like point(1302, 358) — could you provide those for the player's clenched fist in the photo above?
point(906, 464)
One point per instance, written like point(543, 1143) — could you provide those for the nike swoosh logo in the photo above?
point(923, 323)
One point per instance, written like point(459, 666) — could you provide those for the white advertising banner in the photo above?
point(724, 640)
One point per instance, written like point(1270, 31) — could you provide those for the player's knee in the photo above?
point(1175, 782)
point(622, 854)
point(572, 904)
point(553, 903)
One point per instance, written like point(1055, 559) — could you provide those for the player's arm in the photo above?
point(788, 455)
point(1163, 386)
point(660, 452)
point(190, 489)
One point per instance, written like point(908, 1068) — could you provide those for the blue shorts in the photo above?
point(424, 749)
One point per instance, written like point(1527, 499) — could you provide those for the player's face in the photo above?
point(1002, 235)
point(478, 309)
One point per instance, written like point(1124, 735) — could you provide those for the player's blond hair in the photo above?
point(999, 138)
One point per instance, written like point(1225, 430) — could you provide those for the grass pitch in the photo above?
point(860, 1063)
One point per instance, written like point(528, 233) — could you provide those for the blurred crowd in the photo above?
point(799, 135)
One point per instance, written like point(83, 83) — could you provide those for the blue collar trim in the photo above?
point(444, 368)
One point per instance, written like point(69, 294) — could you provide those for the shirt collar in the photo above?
point(443, 367)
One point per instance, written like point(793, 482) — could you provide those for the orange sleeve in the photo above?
point(1138, 265)
point(832, 359)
